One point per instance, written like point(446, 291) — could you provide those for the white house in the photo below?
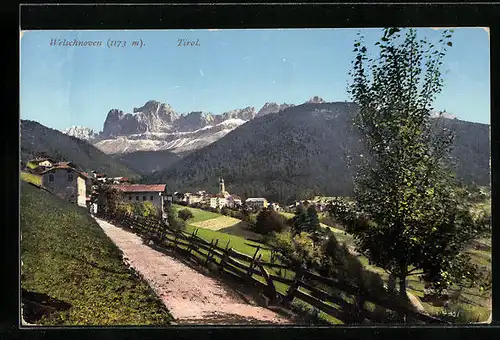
point(217, 201)
point(43, 162)
point(66, 182)
point(275, 207)
point(194, 198)
point(154, 193)
point(256, 202)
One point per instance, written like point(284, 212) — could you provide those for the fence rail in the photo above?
point(260, 273)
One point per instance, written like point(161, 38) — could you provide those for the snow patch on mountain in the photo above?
point(81, 132)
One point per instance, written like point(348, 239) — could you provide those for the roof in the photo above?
point(255, 199)
point(67, 167)
point(215, 196)
point(141, 187)
point(36, 160)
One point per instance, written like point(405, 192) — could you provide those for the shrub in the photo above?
point(268, 221)
point(462, 314)
point(173, 221)
point(298, 250)
point(185, 214)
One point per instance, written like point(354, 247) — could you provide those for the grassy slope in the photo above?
point(199, 215)
point(66, 255)
point(27, 177)
point(471, 298)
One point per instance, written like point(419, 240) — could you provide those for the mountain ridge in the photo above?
point(305, 150)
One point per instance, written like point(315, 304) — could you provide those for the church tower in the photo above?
point(222, 188)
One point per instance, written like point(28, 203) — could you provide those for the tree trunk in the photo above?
point(402, 286)
point(402, 292)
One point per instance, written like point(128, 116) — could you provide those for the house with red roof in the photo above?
point(154, 193)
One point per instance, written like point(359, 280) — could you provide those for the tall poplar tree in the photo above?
point(418, 224)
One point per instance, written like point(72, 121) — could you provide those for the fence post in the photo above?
point(290, 293)
point(224, 257)
point(191, 241)
point(209, 252)
point(252, 264)
point(270, 284)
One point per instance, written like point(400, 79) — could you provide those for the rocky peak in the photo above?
point(245, 114)
point(194, 120)
point(153, 108)
point(272, 108)
point(442, 114)
point(81, 132)
point(316, 100)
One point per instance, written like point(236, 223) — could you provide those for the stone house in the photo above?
point(66, 182)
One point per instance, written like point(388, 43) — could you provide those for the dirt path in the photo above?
point(191, 297)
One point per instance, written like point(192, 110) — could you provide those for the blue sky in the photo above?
point(64, 86)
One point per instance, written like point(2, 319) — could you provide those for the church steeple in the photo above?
point(222, 188)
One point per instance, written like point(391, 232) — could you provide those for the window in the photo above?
point(51, 177)
point(130, 198)
point(143, 198)
point(136, 198)
point(70, 177)
point(151, 198)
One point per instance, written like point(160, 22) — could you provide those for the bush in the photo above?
point(185, 214)
point(462, 314)
point(298, 250)
point(173, 221)
point(269, 221)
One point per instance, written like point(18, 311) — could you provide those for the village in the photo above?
point(66, 181)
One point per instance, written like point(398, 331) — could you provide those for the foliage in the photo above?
point(341, 209)
point(295, 250)
point(27, 177)
point(108, 199)
point(185, 214)
point(305, 220)
point(146, 209)
point(66, 255)
point(414, 218)
point(173, 220)
point(269, 221)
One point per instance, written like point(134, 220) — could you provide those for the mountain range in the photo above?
point(306, 150)
point(156, 126)
point(283, 151)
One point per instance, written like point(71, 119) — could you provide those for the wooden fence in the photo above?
point(253, 270)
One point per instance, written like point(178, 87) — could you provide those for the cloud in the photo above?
point(284, 59)
point(247, 58)
point(201, 72)
point(214, 29)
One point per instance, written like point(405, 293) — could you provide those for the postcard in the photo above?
point(255, 177)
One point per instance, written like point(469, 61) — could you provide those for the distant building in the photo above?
point(275, 207)
point(67, 183)
point(119, 180)
point(217, 201)
point(233, 201)
point(256, 202)
point(194, 198)
point(44, 162)
point(222, 188)
point(154, 193)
